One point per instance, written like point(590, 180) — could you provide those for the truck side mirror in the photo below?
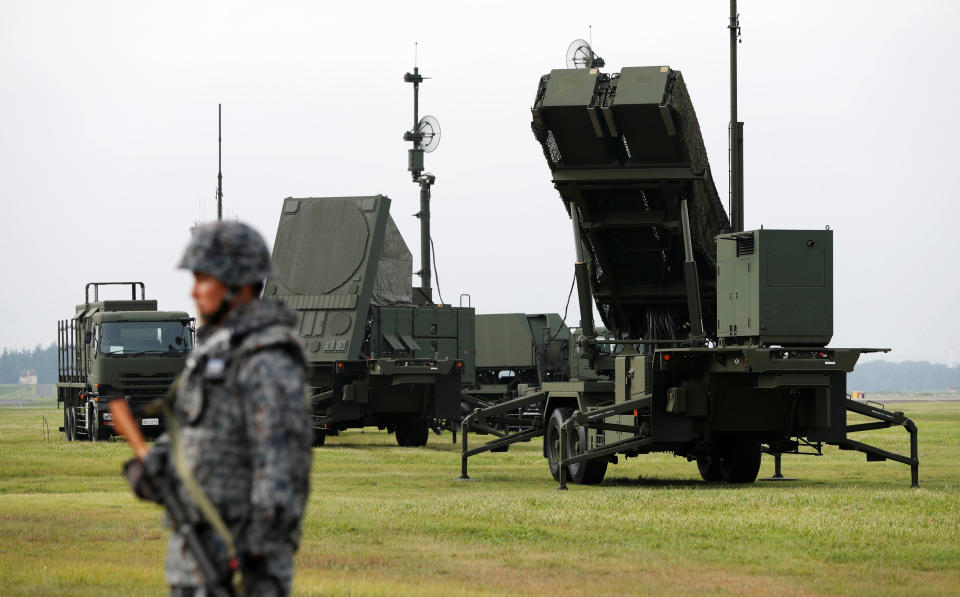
point(87, 337)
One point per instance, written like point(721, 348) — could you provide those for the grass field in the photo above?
point(389, 521)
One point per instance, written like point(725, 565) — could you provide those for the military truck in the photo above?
point(718, 346)
point(379, 352)
point(117, 349)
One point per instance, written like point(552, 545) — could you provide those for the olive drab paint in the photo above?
point(148, 350)
point(379, 353)
point(716, 342)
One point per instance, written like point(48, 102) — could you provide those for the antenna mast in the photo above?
point(736, 128)
point(425, 137)
point(219, 164)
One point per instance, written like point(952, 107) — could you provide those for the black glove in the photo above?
point(139, 481)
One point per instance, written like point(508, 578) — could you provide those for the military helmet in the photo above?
point(232, 252)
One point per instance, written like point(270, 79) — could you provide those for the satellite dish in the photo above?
point(580, 55)
point(429, 131)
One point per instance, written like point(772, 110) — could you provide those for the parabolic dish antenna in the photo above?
point(579, 54)
point(429, 130)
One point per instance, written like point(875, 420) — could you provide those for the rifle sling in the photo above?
point(199, 497)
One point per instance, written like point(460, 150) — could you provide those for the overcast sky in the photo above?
point(108, 139)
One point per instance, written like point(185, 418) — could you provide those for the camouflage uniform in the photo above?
point(244, 431)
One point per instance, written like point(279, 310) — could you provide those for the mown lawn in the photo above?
point(390, 521)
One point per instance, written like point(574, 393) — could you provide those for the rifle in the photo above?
point(217, 585)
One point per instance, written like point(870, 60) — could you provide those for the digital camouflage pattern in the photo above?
point(246, 437)
point(232, 252)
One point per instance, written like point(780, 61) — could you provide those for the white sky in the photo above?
point(108, 135)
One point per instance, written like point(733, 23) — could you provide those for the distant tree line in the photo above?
point(875, 376)
point(41, 360)
point(908, 376)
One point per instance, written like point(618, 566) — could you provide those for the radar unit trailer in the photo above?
point(718, 338)
point(117, 349)
point(379, 352)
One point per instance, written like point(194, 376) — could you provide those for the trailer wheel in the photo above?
point(412, 433)
point(557, 417)
point(734, 461)
point(709, 466)
point(588, 472)
point(742, 461)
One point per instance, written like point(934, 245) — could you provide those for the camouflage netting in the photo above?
point(394, 283)
point(707, 216)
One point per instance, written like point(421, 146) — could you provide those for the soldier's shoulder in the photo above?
point(265, 324)
point(268, 360)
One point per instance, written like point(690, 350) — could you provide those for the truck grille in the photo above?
point(135, 379)
point(138, 386)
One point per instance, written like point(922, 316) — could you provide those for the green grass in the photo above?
point(389, 521)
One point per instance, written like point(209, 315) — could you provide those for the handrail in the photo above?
point(97, 285)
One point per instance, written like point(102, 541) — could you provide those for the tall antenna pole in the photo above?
point(425, 180)
point(219, 163)
point(736, 128)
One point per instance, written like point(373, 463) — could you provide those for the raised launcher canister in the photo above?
point(377, 355)
point(713, 360)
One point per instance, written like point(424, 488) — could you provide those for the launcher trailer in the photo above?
point(717, 348)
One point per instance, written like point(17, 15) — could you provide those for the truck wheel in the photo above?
point(319, 438)
point(98, 431)
point(552, 440)
point(74, 432)
point(68, 432)
point(93, 427)
point(588, 472)
point(412, 433)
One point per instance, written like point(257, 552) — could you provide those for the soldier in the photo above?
point(240, 425)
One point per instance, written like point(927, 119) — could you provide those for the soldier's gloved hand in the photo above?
point(139, 481)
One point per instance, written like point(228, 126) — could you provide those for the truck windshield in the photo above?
point(145, 337)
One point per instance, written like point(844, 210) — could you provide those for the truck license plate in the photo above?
point(146, 422)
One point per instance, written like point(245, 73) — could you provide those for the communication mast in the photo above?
point(425, 136)
point(736, 128)
point(219, 163)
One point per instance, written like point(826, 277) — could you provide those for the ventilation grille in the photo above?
point(745, 245)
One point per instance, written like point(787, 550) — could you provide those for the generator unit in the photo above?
point(775, 287)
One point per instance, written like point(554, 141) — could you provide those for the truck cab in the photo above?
point(118, 349)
